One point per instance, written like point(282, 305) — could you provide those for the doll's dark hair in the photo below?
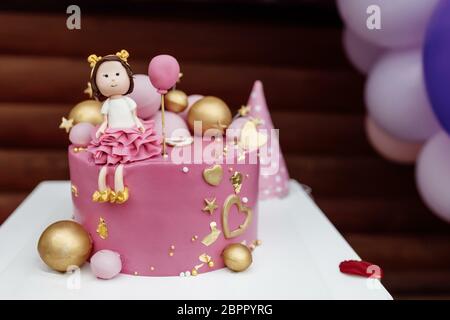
point(95, 91)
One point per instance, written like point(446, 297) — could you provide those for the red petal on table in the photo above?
point(361, 268)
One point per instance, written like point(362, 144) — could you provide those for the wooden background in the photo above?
point(315, 96)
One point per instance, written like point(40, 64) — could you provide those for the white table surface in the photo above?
point(298, 259)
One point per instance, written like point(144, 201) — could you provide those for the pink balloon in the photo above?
point(81, 134)
point(402, 22)
point(164, 72)
point(175, 125)
point(234, 129)
point(193, 98)
point(146, 96)
point(396, 97)
point(106, 264)
point(389, 147)
point(361, 53)
point(433, 174)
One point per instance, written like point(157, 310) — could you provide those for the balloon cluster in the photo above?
point(406, 58)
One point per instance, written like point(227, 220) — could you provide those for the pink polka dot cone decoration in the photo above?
point(274, 177)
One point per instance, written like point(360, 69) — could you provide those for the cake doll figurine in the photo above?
point(122, 138)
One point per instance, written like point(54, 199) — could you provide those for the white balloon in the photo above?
point(433, 174)
point(402, 22)
point(361, 53)
point(396, 97)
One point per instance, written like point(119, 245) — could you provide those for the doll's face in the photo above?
point(112, 79)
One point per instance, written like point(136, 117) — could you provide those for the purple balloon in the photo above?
point(148, 100)
point(437, 63)
point(361, 53)
point(402, 22)
point(81, 134)
point(396, 98)
point(433, 174)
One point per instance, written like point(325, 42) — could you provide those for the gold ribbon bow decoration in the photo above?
point(123, 55)
point(93, 59)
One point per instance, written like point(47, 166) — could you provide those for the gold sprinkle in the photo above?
point(74, 190)
point(258, 242)
point(152, 268)
point(211, 264)
point(247, 175)
point(210, 206)
point(236, 181)
point(172, 247)
point(230, 169)
point(171, 253)
point(194, 238)
point(102, 228)
point(194, 272)
point(136, 273)
point(79, 149)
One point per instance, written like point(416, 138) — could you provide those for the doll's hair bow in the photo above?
point(93, 59)
point(123, 55)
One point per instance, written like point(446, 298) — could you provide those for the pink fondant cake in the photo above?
point(165, 227)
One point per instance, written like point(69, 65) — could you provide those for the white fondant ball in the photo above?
point(106, 264)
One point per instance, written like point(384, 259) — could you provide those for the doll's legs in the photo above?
point(102, 179)
point(120, 191)
point(103, 192)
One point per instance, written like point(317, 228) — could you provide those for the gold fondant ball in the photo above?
point(212, 112)
point(176, 101)
point(64, 244)
point(87, 111)
point(237, 257)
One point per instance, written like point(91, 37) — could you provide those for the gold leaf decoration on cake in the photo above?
point(212, 236)
point(236, 181)
point(210, 205)
point(229, 202)
point(74, 190)
point(102, 228)
point(213, 175)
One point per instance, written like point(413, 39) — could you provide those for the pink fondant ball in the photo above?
point(106, 264)
point(193, 98)
point(145, 95)
point(175, 125)
point(164, 72)
point(80, 134)
point(389, 147)
point(234, 130)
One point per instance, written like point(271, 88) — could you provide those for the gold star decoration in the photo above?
point(180, 75)
point(244, 110)
point(210, 205)
point(66, 124)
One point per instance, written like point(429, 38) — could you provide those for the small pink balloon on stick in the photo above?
point(164, 72)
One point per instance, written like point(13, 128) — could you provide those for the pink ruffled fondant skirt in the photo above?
point(125, 145)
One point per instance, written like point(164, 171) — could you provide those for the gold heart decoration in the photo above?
point(250, 138)
point(213, 175)
point(229, 202)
